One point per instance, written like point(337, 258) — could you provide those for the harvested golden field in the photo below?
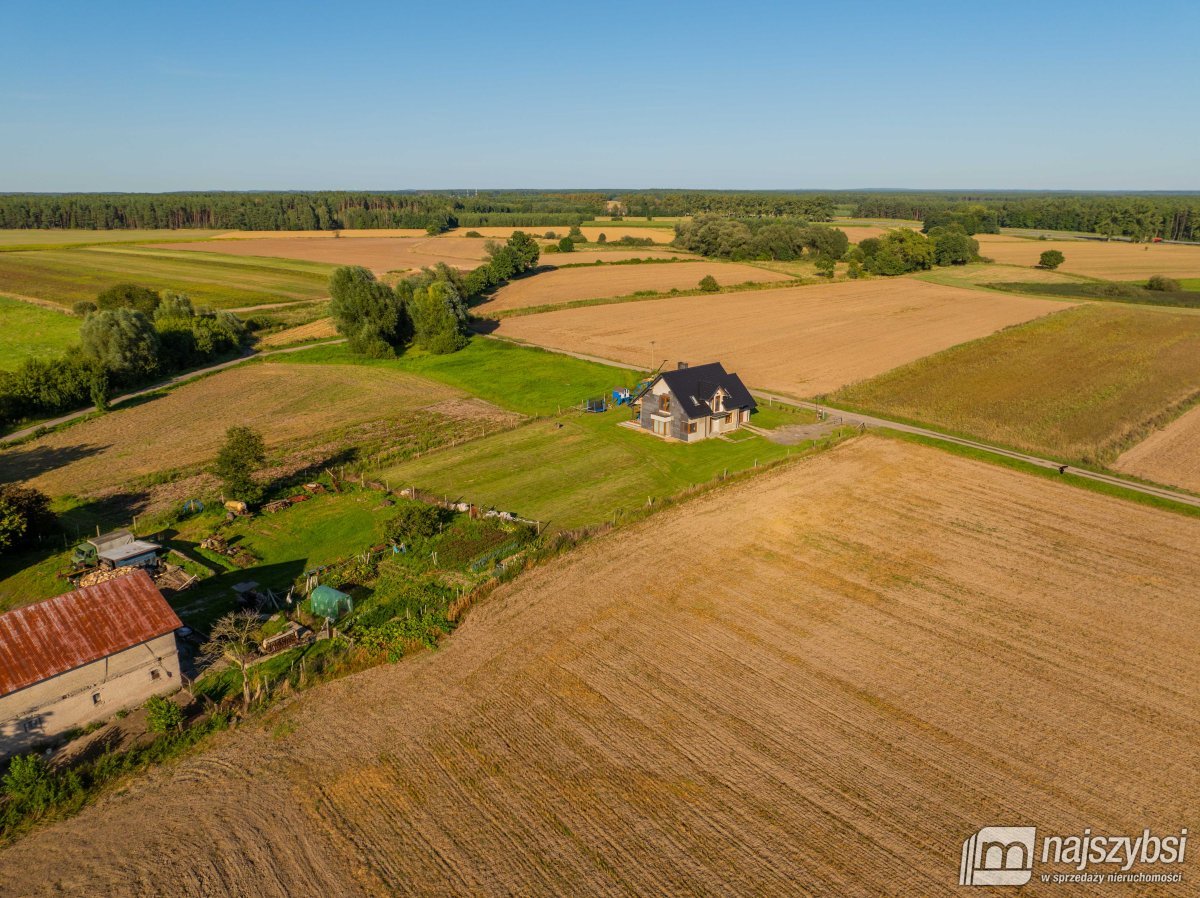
point(595, 282)
point(1114, 260)
point(612, 255)
point(187, 425)
point(314, 330)
point(1170, 455)
point(322, 235)
point(913, 646)
point(804, 341)
point(1082, 385)
point(616, 231)
point(380, 254)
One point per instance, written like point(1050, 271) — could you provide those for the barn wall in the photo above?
point(61, 703)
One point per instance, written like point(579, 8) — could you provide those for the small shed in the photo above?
point(330, 603)
point(135, 553)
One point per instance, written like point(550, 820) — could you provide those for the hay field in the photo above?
point(221, 280)
point(313, 330)
point(914, 645)
point(1170, 455)
point(187, 425)
point(1081, 385)
point(321, 235)
point(615, 231)
point(803, 341)
point(28, 330)
point(380, 254)
point(567, 284)
point(1114, 260)
point(34, 238)
point(593, 254)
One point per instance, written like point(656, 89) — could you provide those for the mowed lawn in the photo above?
point(1080, 385)
point(66, 276)
point(30, 330)
point(520, 378)
point(577, 470)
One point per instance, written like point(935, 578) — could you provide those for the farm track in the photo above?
point(913, 645)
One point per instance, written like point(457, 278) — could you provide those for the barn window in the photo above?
point(95, 698)
point(155, 674)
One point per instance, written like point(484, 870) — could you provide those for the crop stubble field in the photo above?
point(914, 645)
point(187, 425)
point(214, 278)
point(1170, 455)
point(1112, 260)
point(802, 341)
point(1082, 385)
point(601, 281)
point(380, 254)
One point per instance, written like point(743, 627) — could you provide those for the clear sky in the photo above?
point(736, 94)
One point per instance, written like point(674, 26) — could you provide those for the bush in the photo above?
point(163, 715)
point(825, 266)
point(709, 284)
point(83, 308)
point(566, 245)
point(129, 296)
point(1051, 259)
point(1163, 284)
point(25, 516)
point(414, 521)
point(603, 238)
point(472, 234)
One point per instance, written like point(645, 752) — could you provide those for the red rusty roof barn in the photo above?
point(49, 638)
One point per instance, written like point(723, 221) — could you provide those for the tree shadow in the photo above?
point(28, 462)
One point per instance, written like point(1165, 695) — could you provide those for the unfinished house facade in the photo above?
point(82, 657)
point(695, 403)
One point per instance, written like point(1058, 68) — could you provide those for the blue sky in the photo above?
point(165, 96)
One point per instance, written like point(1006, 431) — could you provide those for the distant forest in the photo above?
point(1138, 216)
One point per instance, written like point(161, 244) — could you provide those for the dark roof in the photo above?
point(60, 634)
point(695, 386)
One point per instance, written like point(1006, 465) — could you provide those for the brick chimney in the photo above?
point(680, 366)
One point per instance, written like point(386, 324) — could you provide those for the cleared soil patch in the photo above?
point(913, 645)
point(187, 426)
point(213, 278)
point(803, 341)
point(567, 284)
point(380, 254)
point(1084, 384)
point(1111, 260)
point(1170, 455)
point(314, 330)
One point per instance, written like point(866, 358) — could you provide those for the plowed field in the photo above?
point(800, 340)
point(891, 648)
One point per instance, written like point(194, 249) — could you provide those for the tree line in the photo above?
point(1137, 216)
point(731, 203)
point(129, 336)
point(427, 310)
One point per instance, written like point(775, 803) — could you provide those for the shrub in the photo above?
point(603, 238)
point(1163, 284)
point(83, 308)
point(128, 296)
point(1051, 259)
point(825, 266)
point(163, 715)
point(414, 521)
point(25, 516)
point(566, 245)
point(472, 234)
point(709, 284)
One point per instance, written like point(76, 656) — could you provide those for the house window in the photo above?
point(664, 402)
point(691, 428)
point(95, 698)
point(728, 419)
point(155, 674)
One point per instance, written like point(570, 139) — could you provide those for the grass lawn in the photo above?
point(68, 275)
point(1190, 283)
point(521, 378)
point(577, 470)
point(1079, 385)
point(31, 330)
